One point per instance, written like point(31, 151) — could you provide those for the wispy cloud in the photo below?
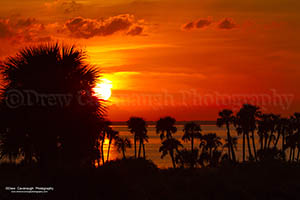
point(80, 27)
point(225, 24)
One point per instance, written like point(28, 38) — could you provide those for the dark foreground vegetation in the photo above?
point(140, 179)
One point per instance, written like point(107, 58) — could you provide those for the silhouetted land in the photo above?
point(139, 179)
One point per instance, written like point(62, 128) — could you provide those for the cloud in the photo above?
point(5, 29)
point(137, 30)
point(70, 7)
point(80, 27)
point(23, 30)
point(67, 6)
point(198, 24)
point(227, 24)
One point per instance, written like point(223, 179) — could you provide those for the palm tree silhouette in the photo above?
point(112, 135)
point(122, 144)
point(210, 143)
point(296, 125)
point(103, 134)
point(73, 120)
point(233, 143)
point(166, 125)
point(191, 131)
point(227, 118)
point(246, 120)
point(142, 137)
point(138, 127)
point(168, 146)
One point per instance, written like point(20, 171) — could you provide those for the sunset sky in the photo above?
point(187, 59)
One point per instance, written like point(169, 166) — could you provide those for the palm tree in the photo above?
point(122, 144)
point(142, 137)
point(210, 142)
point(282, 128)
point(112, 135)
point(191, 131)
point(295, 119)
point(74, 115)
point(166, 125)
point(267, 126)
point(138, 127)
point(246, 121)
point(168, 146)
point(263, 129)
point(103, 134)
point(233, 143)
point(226, 118)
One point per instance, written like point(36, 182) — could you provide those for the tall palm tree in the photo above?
point(282, 128)
point(227, 118)
point(103, 134)
point(191, 131)
point(142, 137)
point(246, 121)
point(75, 117)
point(263, 126)
point(168, 146)
point(122, 144)
point(295, 119)
point(137, 126)
point(233, 143)
point(166, 127)
point(274, 119)
point(112, 135)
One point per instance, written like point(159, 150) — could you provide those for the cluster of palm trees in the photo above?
point(270, 129)
point(277, 137)
point(136, 125)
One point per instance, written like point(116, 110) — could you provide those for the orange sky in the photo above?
point(187, 59)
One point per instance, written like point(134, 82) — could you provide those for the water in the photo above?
point(152, 147)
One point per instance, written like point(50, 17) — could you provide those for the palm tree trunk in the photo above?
point(270, 140)
point(173, 159)
point(244, 152)
point(266, 142)
point(192, 143)
point(290, 157)
point(144, 152)
point(261, 140)
point(282, 148)
point(277, 139)
point(249, 146)
point(253, 144)
point(123, 151)
point(134, 146)
point(102, 150)
point(230, 144)
point(108, 150)
point(293, 154)
point(298, 154)
point(140, 148)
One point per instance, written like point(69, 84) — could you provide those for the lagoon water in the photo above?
point(152, 147)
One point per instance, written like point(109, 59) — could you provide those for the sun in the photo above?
point(103, 89)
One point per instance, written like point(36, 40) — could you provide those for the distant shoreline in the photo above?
point(177, 123)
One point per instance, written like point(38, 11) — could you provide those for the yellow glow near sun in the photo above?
point(103, 89)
